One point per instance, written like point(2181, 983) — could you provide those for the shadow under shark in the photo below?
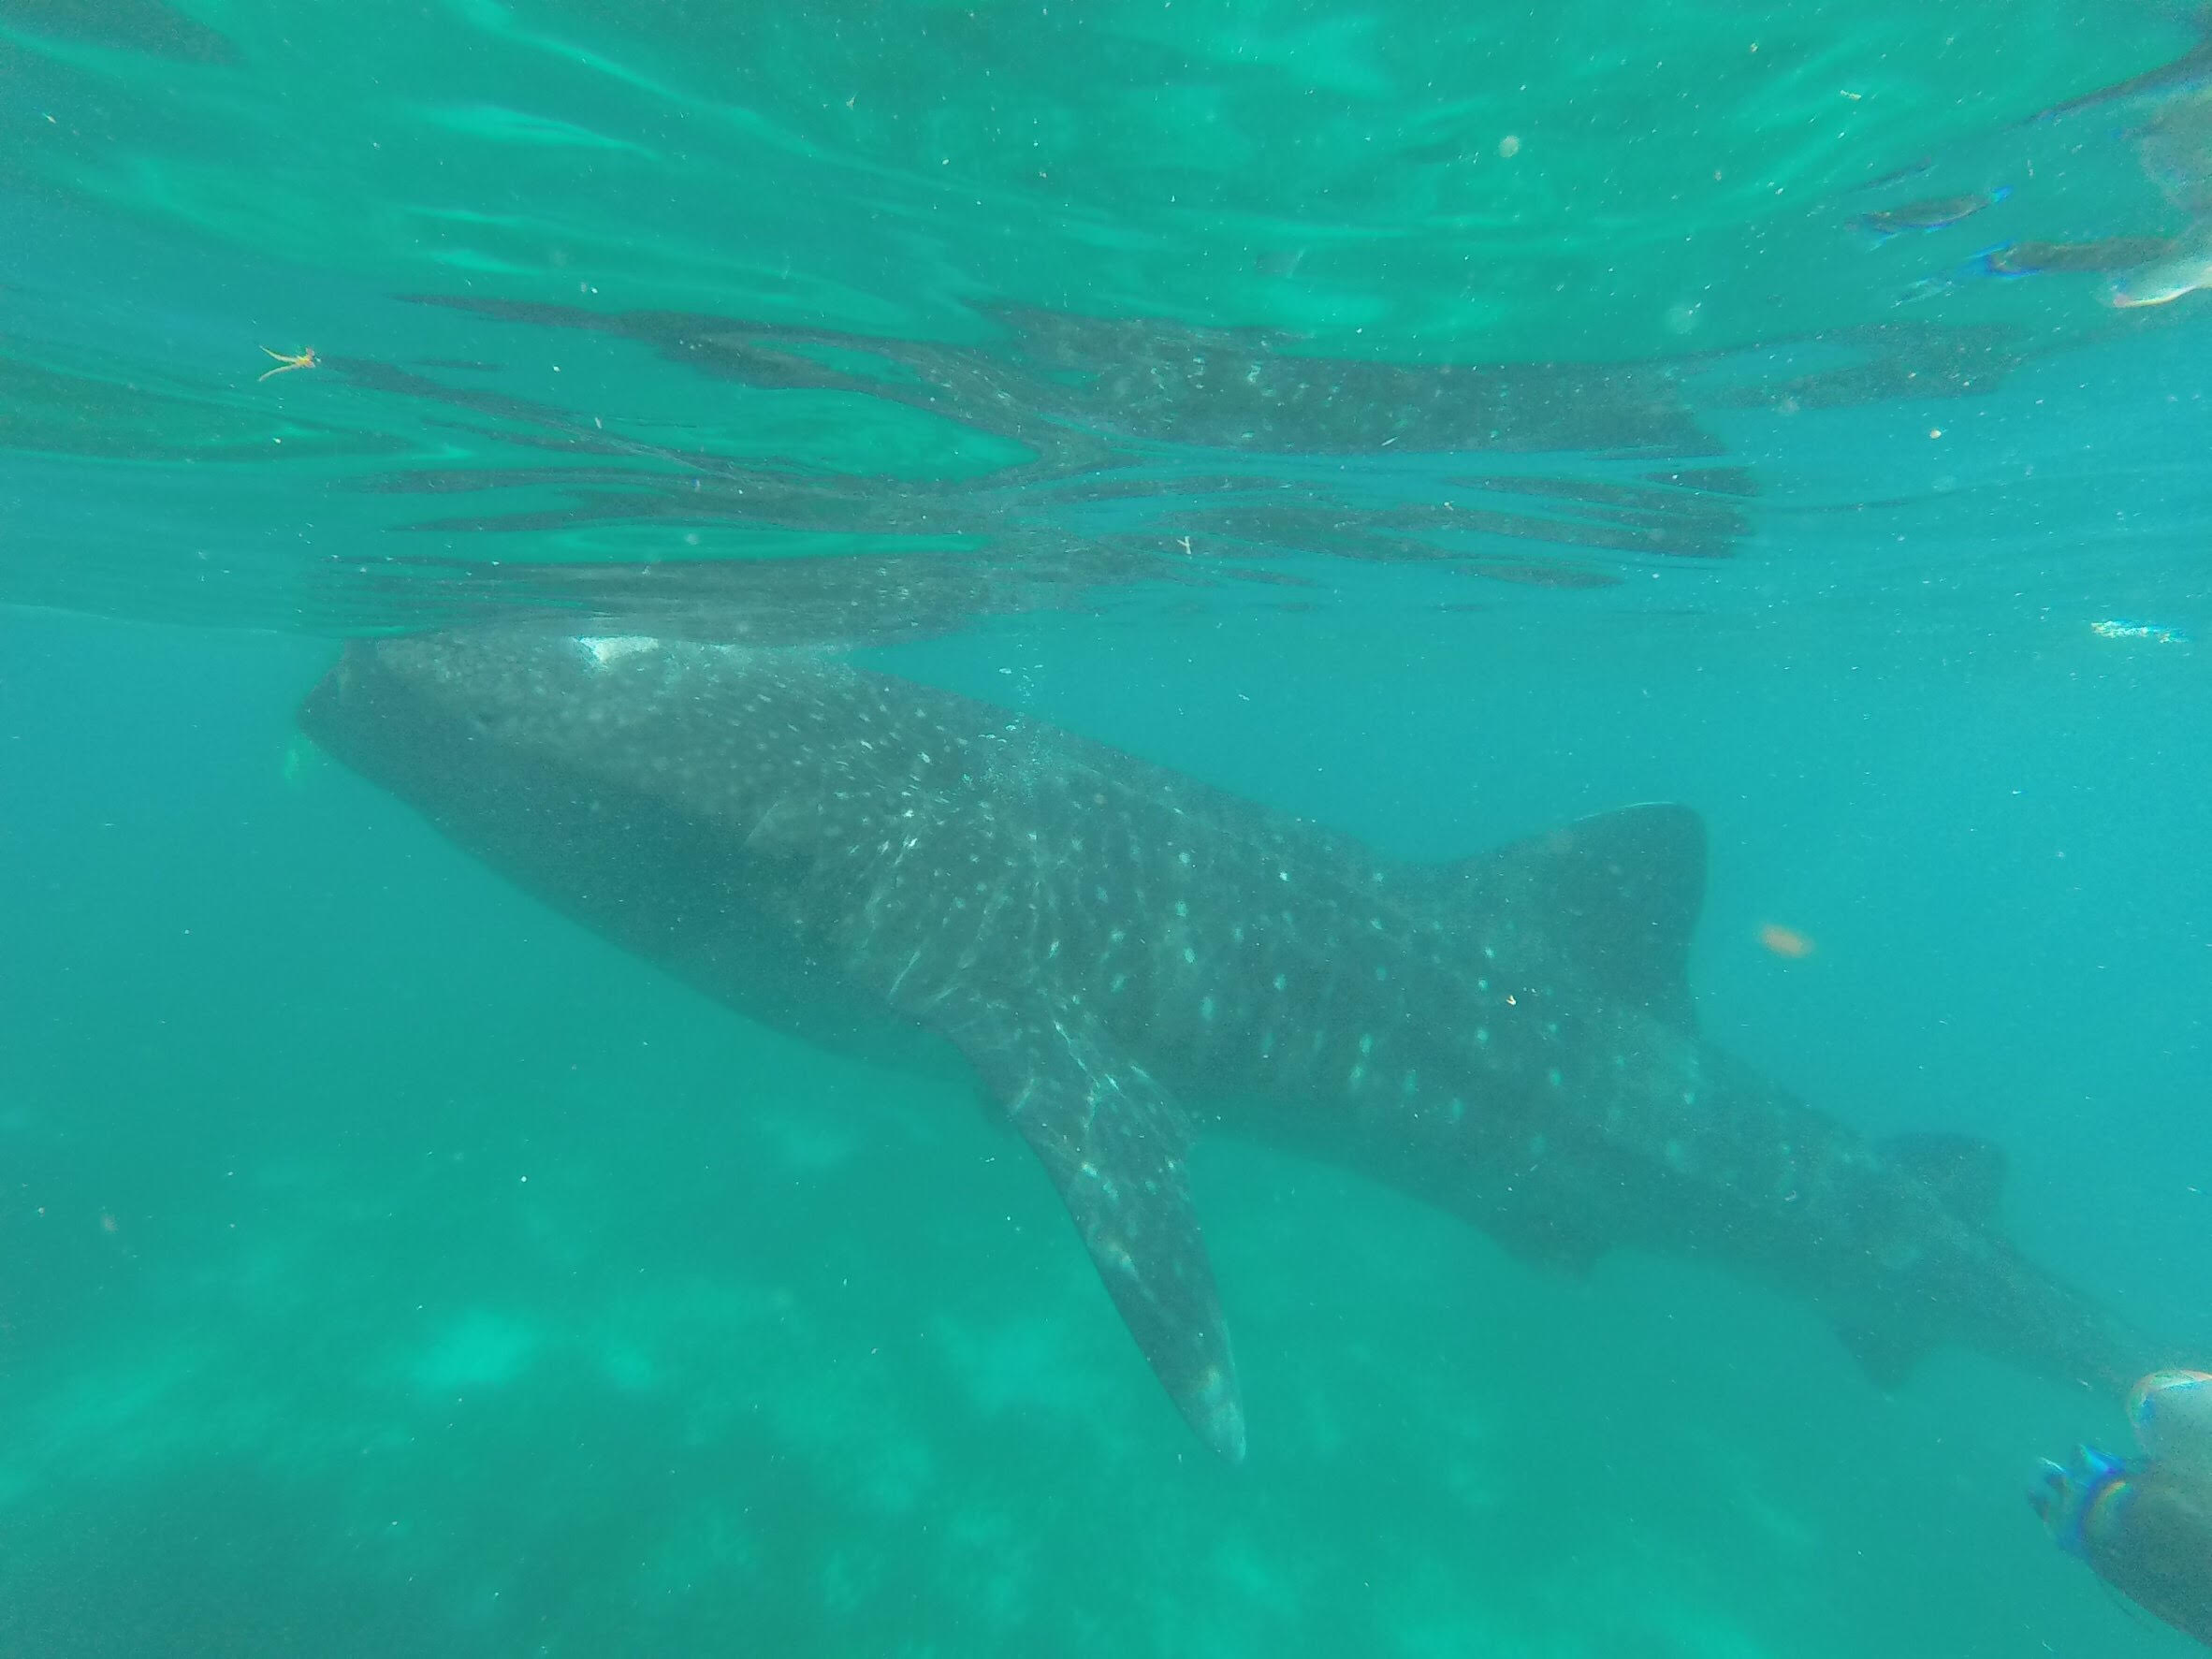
point(1124, 955)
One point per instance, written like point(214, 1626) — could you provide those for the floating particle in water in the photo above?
point(287, 361)
point(1785, 942)
point(2149, 633)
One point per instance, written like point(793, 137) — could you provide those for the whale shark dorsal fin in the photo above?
point(1114, 1142)
point(1624, 890)
point(1967, 1173)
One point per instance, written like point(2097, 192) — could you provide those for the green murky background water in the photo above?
point(1440, 423)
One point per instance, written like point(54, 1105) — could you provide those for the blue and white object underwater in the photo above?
point(2145, 1527)
point(2170, 1412)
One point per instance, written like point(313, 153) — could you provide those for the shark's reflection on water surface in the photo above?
point(1072, 463)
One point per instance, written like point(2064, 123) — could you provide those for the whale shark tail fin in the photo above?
point(1623, 889)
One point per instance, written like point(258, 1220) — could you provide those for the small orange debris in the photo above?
point(1785, 942)
point(287, 361)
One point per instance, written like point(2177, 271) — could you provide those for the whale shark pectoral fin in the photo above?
point(1113, 1142)
point(1623, 889)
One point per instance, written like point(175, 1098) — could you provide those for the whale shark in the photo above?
point(1125, 957)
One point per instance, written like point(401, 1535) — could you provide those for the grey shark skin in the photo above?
point(1125, 956)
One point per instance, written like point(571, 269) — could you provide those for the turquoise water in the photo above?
point(1441, 427)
